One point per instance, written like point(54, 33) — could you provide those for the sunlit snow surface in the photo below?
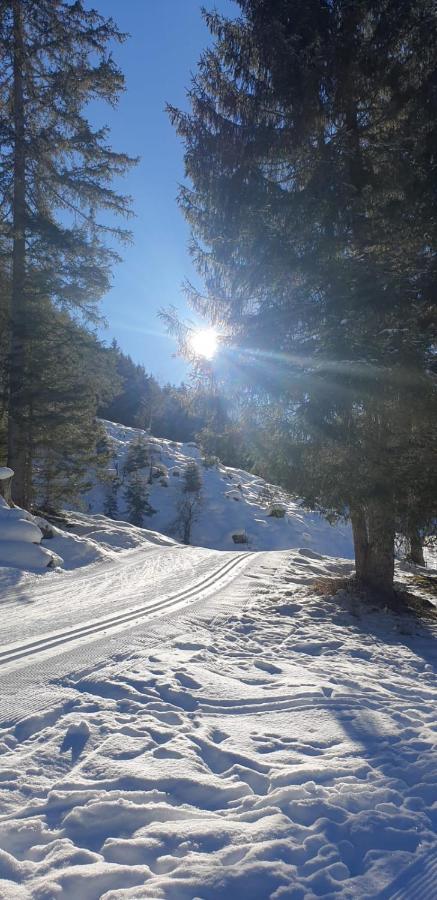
point(271, 744)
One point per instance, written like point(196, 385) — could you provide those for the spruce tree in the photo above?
point(136, 496)
point(68, 374)
point(140, 395)
point(138, 456)
point(192, 478)
point(56, 171)
point(110, 505)
point(310, 148)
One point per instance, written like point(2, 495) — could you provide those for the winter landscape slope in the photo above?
point(188, 723)
point(232, 501)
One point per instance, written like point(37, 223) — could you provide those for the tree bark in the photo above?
point(416, 548)
point(6, 488)
point(17, 452)
point(361, 541)
point(373, 529)
point(376, 567)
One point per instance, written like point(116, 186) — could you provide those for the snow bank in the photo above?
point(20, 540)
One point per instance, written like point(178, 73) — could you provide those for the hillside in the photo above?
point(233, 502)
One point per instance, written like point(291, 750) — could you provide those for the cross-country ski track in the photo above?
point(97, 612)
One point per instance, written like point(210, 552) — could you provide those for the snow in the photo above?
point(232, 501)
point(84, 540)
point(20, 539)
point(201, 723)
point(269, 741)
point(5, 473)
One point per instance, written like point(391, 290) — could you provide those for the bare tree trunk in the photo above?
point(374, 536)
point(375, 567)
point(361, 541)
point(416, 548)
point(6, 488)
point(17, 455)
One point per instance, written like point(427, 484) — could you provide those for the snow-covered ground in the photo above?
point(265, 742)
point(191, 723)
point(232, 502)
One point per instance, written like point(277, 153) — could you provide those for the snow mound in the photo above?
point(232, 501)
point(20, 540)
point(87, 539)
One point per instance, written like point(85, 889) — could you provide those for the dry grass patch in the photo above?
point(401, 601)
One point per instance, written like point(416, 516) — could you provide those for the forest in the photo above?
point(218, 433)
point(310, 148)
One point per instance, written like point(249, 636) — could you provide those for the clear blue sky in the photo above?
point(167, 37)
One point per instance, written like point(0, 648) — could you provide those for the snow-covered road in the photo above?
point(59, 622)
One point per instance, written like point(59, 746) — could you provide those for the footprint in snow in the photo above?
point(288, 609)
point(163, 753)
point(75, 739)
point(186, 681)
point(267, 667)
point(218, 736)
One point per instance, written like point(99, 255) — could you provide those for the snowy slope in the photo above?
point(270, 743)
point(233, 501)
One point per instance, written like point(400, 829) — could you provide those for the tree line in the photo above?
point(58, 226)
point(58, 209)
point(310, 154)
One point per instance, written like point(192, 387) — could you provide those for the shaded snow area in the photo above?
point(271, 743)
point(232, 502)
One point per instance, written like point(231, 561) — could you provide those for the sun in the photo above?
point(204, 342)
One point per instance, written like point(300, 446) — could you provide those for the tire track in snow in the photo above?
point(47, 642)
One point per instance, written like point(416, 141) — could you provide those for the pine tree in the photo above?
point(110, 506)
point(139, 397)
point(310, 148)
point(55, 175)
point(138, 456)
point(192, 478)
point(136, 496)
point(70, 375)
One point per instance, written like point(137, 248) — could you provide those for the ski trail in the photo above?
point(15, 652)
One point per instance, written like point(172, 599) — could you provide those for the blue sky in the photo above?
point(167, 37)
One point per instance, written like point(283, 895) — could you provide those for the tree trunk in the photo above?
point(361, 542)
point(375, 567)
point(17, 452)
point(6, 485)
point(416, 549)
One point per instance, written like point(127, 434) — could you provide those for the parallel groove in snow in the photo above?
point(32, 648)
